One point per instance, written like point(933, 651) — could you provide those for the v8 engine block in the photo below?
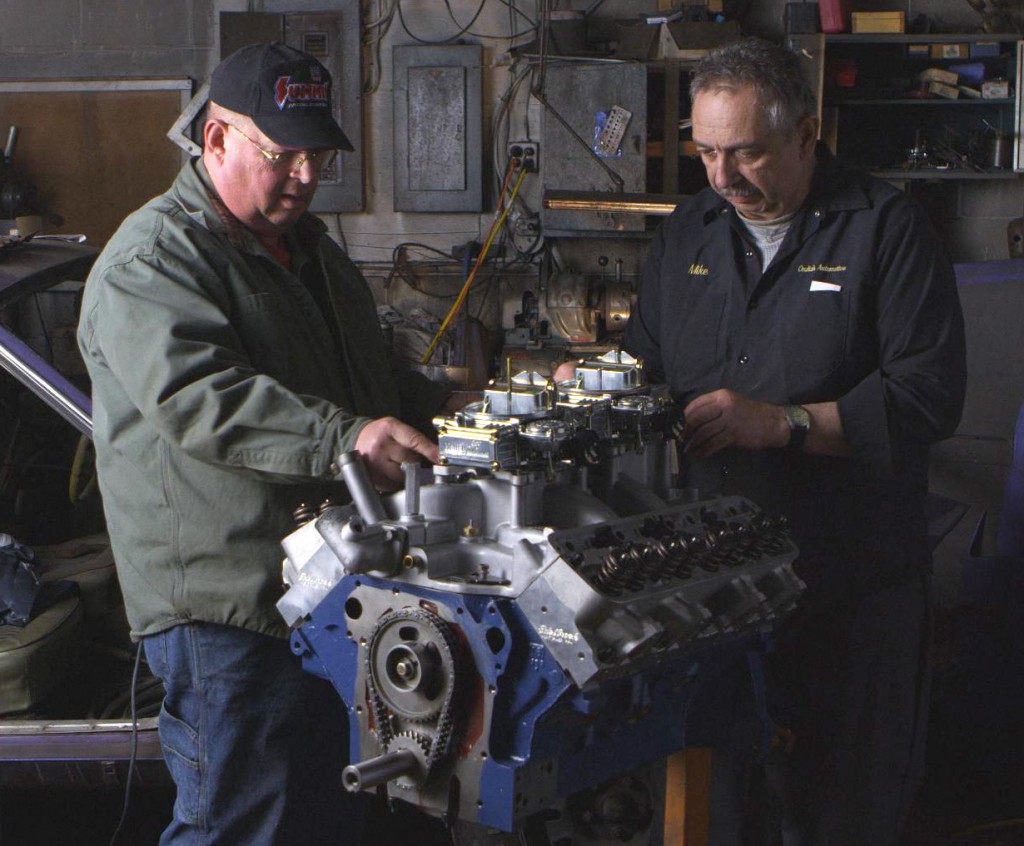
point(542, 612)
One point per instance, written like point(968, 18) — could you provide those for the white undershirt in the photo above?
point(768, 235)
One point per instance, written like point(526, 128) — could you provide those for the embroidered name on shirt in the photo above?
point(820, 268)
point(699, 270)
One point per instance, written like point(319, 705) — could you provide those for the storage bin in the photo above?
point(949, 51)
point(980, 49)
point(835, 15)
point(878, 21)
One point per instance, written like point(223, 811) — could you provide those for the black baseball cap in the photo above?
point(286, 92)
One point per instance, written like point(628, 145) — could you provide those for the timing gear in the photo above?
point(420, 745)
point(413, 674)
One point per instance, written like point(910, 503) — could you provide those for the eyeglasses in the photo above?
point(292, 160)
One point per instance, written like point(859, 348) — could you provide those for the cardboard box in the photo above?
point(984, 48)
point(948, 77)
point(940, 89)
point(950, 51)
point(995, 89)
point(918, 50)
point(877, 21)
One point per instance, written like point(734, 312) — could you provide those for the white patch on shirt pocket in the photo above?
point(821, 285)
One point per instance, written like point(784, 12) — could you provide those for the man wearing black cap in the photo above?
point(234, 353)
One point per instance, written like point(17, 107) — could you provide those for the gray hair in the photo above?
point(772, 70)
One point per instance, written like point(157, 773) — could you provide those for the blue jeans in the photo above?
point(255, 745)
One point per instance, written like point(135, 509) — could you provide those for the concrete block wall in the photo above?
point(106, 38)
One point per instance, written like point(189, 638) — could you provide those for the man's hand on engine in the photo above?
point(724, 418)
point(388, 442)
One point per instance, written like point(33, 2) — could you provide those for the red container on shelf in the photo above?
point(835, 15)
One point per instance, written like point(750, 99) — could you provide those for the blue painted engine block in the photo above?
point(543, 612)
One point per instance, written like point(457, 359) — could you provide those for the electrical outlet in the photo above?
point(527, 152)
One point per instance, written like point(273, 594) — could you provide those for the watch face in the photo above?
point(799, 424)
point(797, 417)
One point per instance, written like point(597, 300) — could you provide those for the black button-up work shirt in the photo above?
point(859, 306)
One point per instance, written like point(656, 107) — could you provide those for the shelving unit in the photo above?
point(874, 114)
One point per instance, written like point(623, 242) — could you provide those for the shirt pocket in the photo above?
point(816, 332)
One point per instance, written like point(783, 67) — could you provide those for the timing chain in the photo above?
point(443, 733)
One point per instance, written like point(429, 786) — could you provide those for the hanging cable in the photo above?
point(463, 31)
point(134, 750)
point(496, 226)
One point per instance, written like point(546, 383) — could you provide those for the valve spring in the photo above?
point(646, 559)
point(758, 542)
point(670, 551)
point(613, 575)
point(636, 581)
point(720, 555)
point(634, 566)
point(732, 544)
point(775, 533)
point(706, 553)
point(746, 538)
point(683, 556)
point(327, 503)
point(303, 514)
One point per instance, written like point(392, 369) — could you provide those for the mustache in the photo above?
point(742, 193)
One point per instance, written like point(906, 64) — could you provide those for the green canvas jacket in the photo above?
point(221, 398)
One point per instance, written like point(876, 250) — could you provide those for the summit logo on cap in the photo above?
point(314, 93)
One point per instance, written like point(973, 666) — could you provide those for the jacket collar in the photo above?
point(194, 191)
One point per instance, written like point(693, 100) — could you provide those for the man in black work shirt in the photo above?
point(806, 318)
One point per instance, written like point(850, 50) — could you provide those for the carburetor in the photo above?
point(541, 612)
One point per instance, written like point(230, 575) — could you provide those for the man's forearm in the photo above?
point(826, 436)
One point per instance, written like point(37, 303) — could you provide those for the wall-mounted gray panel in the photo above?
point(438, 115)
point(574, 96)
point(333, 37)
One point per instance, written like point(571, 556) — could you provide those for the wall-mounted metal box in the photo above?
point(438, 117)
point(579, 102)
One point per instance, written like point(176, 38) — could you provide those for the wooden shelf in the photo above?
point(922, 101)
point(921, 38)
point(941, 173)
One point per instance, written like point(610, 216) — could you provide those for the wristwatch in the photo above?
point(799, 425)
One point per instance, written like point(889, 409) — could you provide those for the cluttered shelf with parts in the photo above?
point(923, 106)
point(921, 38)
point(941, 173)
point(909, 101)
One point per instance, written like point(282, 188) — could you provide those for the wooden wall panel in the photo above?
point(96, 151)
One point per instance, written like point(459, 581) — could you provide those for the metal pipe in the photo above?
point(12, 140)
point(33, 371)
point(412, 488)
point(373, 771)
point(366, 499)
